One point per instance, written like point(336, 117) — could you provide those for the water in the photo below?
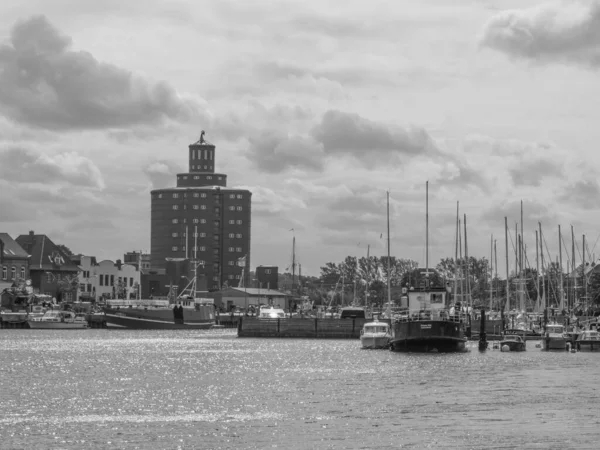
point(210, 390)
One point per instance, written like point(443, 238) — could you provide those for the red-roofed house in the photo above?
point(51, 271)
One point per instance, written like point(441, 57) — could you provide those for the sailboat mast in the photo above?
point(468, 283)
point(537, 270)
point(293, 263)
point(560, 268)
point(427, 232)
point(368, 275)
point(507, 307)
point(542, 261)
point(584, 277)
point(573, 266)
point(522, 244)
point(389, 292)
point(186, 242)
point(460, 248)
point(496, 265)
point(456, 255)
point(491, 269)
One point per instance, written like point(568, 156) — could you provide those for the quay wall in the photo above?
point(302, 328)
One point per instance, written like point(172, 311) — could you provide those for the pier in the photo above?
point(302, 328)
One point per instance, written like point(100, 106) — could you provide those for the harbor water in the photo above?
point(125, 389)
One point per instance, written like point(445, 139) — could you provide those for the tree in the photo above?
point(66, 250)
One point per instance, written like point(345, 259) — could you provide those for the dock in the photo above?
point(302, 328)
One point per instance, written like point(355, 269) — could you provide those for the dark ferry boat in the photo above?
point(431, 325)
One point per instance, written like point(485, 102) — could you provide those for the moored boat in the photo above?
point(375, 334)
point(160, 314)
point(588, 341)
point(554, 337)
point(512, 343)
point(59, 320)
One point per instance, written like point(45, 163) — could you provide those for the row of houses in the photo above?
point(47, 269)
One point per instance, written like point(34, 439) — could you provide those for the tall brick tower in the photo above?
point(202, 220)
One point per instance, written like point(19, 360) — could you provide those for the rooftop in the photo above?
point(11, 248)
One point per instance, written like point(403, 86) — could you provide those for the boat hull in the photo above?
point(428, 336)
point(554, 343)
point(39, 325)
point(374, 341)
point(513, 346)
point(160, 319)
point(588, 346)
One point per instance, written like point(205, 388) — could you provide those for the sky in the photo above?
point(318, 110)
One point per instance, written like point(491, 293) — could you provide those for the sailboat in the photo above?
point(186, 311)
point(431, 325)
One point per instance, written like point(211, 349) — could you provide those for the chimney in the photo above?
point(118, 264)
point(31, 233)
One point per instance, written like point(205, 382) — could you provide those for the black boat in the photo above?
point(431, 325)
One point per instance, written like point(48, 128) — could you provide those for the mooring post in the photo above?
point(483, 344)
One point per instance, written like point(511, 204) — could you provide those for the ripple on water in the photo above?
point(166, 389)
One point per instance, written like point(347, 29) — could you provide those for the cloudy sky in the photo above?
point(317, 110)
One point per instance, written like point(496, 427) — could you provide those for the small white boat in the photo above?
point(375, 334)
point(59, 320)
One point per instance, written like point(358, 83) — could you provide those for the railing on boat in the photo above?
point(429, 315)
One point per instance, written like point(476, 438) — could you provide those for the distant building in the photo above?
point(202, 219)
point(107, 279)
point(14, 262)
point(136, 259)
point(51, 270)
point(267, 277)
point(246, 297)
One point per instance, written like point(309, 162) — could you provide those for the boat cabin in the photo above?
point(431, 300)
point(375, 328)
point(555, 329)
point(352, 313)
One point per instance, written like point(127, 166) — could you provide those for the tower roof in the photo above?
point(202, 141)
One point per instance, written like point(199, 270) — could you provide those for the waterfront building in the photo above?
point(50, 269)
point(202, 219)
point(139, 259)
point(243, 298)
point(14, 262)
point(107, 279)
point(267, 277)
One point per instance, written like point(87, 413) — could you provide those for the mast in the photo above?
point(491, 270)
point(427, 232)
point(389, 293)
point(496, 263)
point(368, 276)
point(507, 306)
point(468, 284)
point(460, 248)
point(537, 271)
point(456, 255)
point(186, 242)
point(542, 261)
point(573, 267)
point(293, 263)
point(560, 268)
point(521, 246)
point(584, 277)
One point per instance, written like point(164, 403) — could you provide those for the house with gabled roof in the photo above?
point(14, 262)
point(51, 270)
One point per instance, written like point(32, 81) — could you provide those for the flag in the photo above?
point(242, 261)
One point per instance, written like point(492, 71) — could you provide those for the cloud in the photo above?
point(554, 32)
point(582, 193)
point(26, 166)
point(162, 173)
point(369, 141)
point(274, 151)
point(533, 171)
point(269, 202)
point(533, 212)
point(45, 84)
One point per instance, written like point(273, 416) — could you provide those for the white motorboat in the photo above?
point(375, 334)
point(59, 320)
